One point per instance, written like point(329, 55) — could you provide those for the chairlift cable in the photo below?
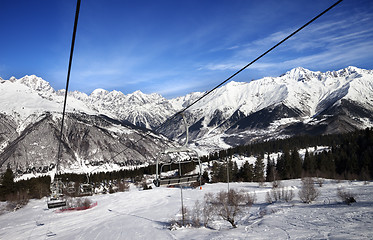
point(233, 75)
point(67, 82)
point(56, 198)
point(256, 59)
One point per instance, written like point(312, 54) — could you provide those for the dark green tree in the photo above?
point(309, 164)
point(270, 170)
point(259, 170)
point(205, 177)
point(8, 181)
point(296, 163)
point(246, 172)
point(234, 177)
point(283, 165)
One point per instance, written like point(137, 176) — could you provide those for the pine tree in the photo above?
point(215, 172)
point(7, 184)
point(309, 164)
point(205, 177)
point(246, 172)
point(234, 176)
point(283, 166)
point(270, 170)
point(296, 163)
point(287, 171)
point(259, 170)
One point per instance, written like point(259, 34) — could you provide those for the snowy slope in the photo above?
point(295, 103)
point(147, 215)
point(138, 108)
point(30, 121)
point(298, 102)
point(298, 88)
point(302, 89)
point(31, 95)
point(307, 91)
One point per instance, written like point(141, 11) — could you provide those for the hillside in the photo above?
point(104, 128)
point(148, 215)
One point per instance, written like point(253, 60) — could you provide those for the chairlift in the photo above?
point(70, 188)
point(85, 189)
point(57, 198)
point(183, 155)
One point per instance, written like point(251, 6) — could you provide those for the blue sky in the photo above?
point(177, 47)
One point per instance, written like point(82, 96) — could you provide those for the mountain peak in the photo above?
point(36, 83)
point(99, 92)
point(298, 74)
point(234, 84)
point(138, 93)
point(138, 96)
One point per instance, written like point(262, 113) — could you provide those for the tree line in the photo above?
point(350, 156)
point(40, 187)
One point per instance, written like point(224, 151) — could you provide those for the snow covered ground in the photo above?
point(146, 215)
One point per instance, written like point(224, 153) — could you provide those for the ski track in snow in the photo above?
point(147, 215)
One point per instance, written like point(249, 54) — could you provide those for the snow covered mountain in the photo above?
point(102, 123)
point(30, 120)
point(298, 102)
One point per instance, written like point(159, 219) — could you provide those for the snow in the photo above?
point(314, 150)
point(147, 214)
point(27, 98)
point(80, 167)
point(307, 91)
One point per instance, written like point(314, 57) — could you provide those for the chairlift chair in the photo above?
point(181, 178)
point(85, 189)
point(57, 198)
point(71, 188)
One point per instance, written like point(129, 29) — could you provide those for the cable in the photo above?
point(233, 75)
point(256, 59)
point(67, 81)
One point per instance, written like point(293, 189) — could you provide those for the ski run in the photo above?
point(148, 214)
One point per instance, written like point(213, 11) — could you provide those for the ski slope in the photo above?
point(147, 214)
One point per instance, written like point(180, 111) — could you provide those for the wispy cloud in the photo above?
point(339, 55)
point(271, 39)
point(327, 43)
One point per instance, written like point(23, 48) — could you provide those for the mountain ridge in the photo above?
point(298, 102)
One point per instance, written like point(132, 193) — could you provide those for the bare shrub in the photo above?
point(174, 224)
point(184, 221)
point(208, 209)
point(250, 198)
point(282, 194)
point(308, 192)
point(276, 184)
point(229, 205)
point(276, 195)
point(83, 202)
point(87, 202)
point(346, 196)
point(196, 214)
point(287, 195)
point(269, 198)
point(123, 186)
